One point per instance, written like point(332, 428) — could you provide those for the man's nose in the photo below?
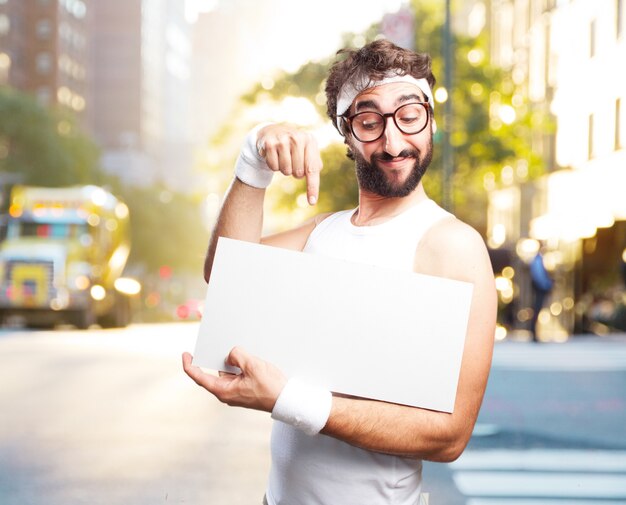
point(393, 137)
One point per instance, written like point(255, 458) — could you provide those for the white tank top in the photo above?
point(321, 470)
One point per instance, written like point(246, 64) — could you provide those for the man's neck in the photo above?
point(374, 209)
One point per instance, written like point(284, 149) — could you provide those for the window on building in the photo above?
point(80, 9)
point(44, 95)
point(78, 41)
point(44, 29)
point(590, 147)
point(618, 124)
point(65, 31)
point(64, 95)
point(5, 67)
point(43, 63)
point(5, 24)
point(77, 8)
point(592, 39)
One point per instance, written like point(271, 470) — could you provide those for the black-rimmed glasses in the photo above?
point(369, 126)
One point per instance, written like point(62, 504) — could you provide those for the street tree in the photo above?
point(166, 228)
point(46, 147)
point(43, 146)
point(492, 131)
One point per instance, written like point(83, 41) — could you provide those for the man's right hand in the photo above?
point(292, 151)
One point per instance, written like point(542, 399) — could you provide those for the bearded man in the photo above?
point(328, 448)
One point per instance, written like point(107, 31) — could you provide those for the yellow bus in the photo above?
point(63, 257)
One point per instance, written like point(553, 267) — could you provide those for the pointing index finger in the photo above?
point(313, 166)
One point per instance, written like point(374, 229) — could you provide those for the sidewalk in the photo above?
point(523, 336)
point(578, 353)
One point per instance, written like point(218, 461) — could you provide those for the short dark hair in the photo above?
point(373, 61)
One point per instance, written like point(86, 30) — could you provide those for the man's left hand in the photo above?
point(256, 387)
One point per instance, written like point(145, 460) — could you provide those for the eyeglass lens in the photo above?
point(410, 119)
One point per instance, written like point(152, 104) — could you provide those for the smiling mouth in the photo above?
point(391, 162)
point(388, 159)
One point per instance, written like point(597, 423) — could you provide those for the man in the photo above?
point(332, 449)
point(542, 285)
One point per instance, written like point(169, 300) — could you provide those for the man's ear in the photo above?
point(434, 126)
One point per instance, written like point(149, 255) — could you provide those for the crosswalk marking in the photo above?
point(543, 460)
point(540, 476)
point(546, 485)
point(524, 501)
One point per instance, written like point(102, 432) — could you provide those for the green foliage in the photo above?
point(337, 188)
point(166, 228)
point(45, 147)
point(307, 82)
point(482, 143)
point(484, 146)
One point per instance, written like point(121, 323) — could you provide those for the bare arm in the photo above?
point(286, 150)
point(385, 427)
point(241, 217)
point(420, 433)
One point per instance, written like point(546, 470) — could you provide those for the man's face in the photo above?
point(393, 165)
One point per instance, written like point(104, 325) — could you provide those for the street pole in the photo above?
point(448, 161)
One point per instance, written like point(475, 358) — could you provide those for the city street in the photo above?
point(108, 417)
point(552, 429)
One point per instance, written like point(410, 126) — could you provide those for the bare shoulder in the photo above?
point(320, 217)
point(452, 248)
point(457, 236)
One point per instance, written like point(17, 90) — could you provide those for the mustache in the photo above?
point(406, 153)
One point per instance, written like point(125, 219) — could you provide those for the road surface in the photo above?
point(108, 417)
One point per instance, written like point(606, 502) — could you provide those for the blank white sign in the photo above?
point(355, 329)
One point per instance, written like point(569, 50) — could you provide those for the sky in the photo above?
point(298, 26)
point(250, 40)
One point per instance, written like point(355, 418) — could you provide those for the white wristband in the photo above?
point(250, 167)
point(303, 406)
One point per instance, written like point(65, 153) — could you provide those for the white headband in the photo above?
point(350, 90)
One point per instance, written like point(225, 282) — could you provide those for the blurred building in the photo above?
point(45, 50)
point(141, 82)
point(236, 45)
point(123, 66)
point(566, 58)
point(219, 76)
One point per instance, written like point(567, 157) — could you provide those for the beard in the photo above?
point(373, 179)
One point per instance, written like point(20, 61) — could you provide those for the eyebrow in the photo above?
point(371, 104)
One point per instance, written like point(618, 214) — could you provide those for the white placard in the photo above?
point(355, 329)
